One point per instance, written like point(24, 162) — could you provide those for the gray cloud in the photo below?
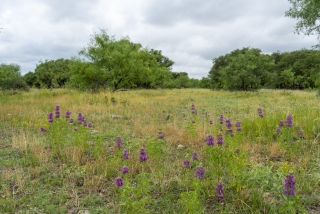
point(191, 33)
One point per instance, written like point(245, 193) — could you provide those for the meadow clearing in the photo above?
point(160, 151)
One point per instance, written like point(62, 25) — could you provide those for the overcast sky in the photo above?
point(189, 32)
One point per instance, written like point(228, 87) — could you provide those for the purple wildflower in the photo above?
point(57, 111)
point(75, 128)
point(278, 130)
point(125, 170)
point(89, 125)
point(160, 136)
point(289, 121)
point(193, 107)
point(200, 172)
point(111, 149)
point(118, 142)
point(80, 118)
point(221, 119)
point(186, 163)
point(194, 111)
point(125, 154)
point(260, 114)
point(228, 123)
point(238, 125)
point(68, 113)
point(237, 151)
point(195, 156)
point(143, 155)
point(300, 132)
point(220, 193)
point(220, 139)
point(43, 129)
point(119, 182)
point(210, 140)
point(289, 185)
point(193, 121)
point(210, 122)
point(50, 117)
point(281, 123)
point(71, 121)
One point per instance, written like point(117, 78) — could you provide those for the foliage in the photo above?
point(245, 69)
point(31, 79)
point(307, 13)
point(51, 73)
point(119, 64)
point(297, 69)
point(10, 77)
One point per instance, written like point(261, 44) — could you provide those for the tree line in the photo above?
point(121, 64)
point(250, 69)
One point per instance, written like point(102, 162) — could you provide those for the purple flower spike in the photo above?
point(43, 129)
point(186, 163)
point(68, 113)
point(210, 122)
point(125, 154)
point(143, 155)
point(119, 182)
point(160, 136)
point(281, 123)
point(210, 140)
point(57, 111)
point(239, 129)
point(89, 125)
point(228, 123)
point(289, 186)
point(238, 124)
point(300, 132)
point(220, 193)
point(125, 170)
point(111, 149)
point(220, 139)
point(50, 117)
point(221, 119)
point(200, 172)
point(195, 156)
point(260, 114)
point(71, 121)
point(80, 118)
point(118, 142)
point(278, 130)
point(289, 121)
point(75, 128)
point(193, 107)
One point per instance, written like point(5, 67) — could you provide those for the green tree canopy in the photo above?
point(52, 73)
point(307, 12)
point(245, 69)
point(10, 77)
point(118, 64)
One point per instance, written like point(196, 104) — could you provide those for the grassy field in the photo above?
point(163, 138)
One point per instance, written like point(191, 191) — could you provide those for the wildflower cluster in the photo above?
point(260, 113)
point(200, 172)
point(143, 155)
point(193, 109)
point(210, 140)
point(220, 193)
point(289, 186)
point(57, 111)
